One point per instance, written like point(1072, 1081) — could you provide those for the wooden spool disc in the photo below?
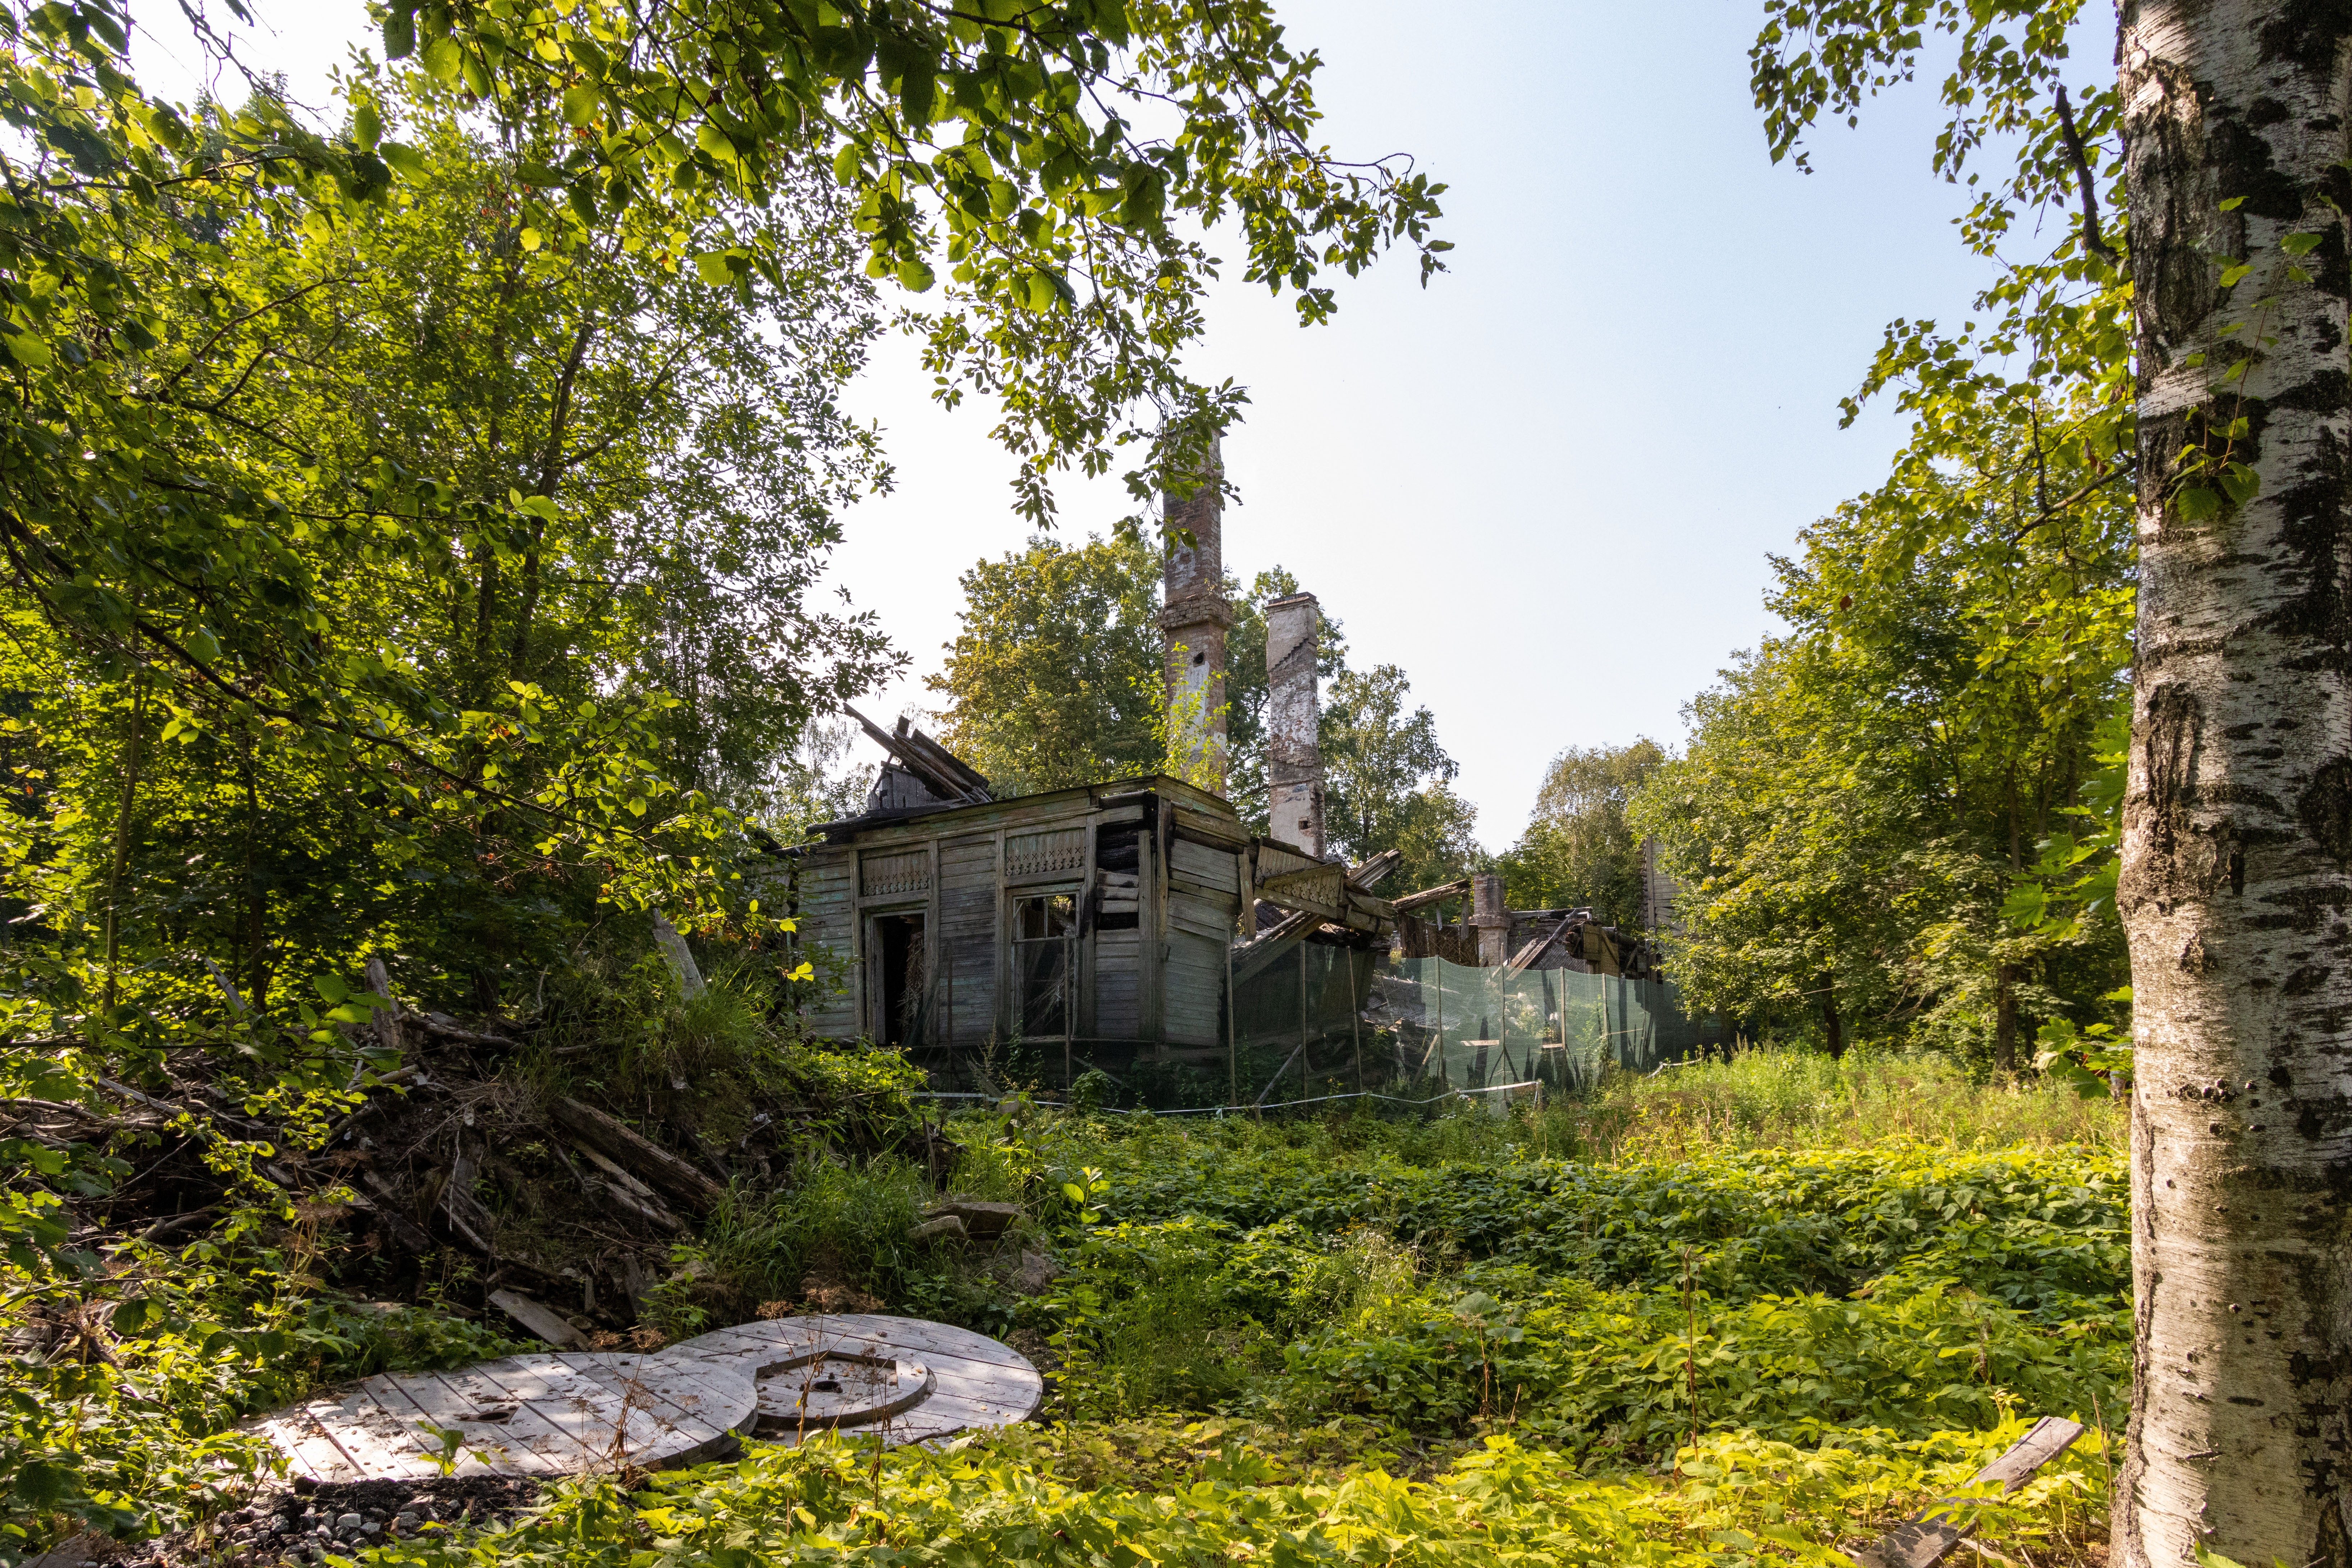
point(554, 1413)
point(838, 1388)
point(974, 1380)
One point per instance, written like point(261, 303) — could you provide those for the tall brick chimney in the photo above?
point(1194, 620)
point(1294, 753)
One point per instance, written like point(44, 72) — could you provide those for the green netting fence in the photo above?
point(1479, 1028)
point(1324, 1022)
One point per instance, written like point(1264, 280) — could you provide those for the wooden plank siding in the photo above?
point(969, 939)
point(1116, 985)
point(1152, 938)
point(824, 919)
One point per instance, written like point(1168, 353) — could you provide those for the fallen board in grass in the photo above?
point(1923, 1542)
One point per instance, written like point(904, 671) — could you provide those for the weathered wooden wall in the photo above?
point(1153, 863)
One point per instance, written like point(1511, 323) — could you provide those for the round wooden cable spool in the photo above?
point(975, 1382)
point(570, 1411)
point(559, 1413)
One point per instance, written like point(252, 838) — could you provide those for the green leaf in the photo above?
point(581, 102)
point(366, 127)
point(444, 61)
point(400, 30)
point(406, 162)
point(2301, 244)
point(27, 350)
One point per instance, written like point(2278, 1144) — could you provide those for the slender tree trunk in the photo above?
point(2004, 1017)
point(122, 813)
point(551, 474)
point(2237, 853)
point(1832, 1027)
point(2004, 975)
point(257, 898)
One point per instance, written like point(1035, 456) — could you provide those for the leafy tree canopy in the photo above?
point(1577, 849)
point(1861, 799)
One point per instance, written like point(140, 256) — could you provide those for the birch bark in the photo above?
point(2237, 877)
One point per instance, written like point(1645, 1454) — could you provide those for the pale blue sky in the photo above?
point(1545, 485)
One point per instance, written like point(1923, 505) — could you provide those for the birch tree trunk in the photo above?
point(2237, 876)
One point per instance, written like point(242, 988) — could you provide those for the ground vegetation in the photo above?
point(1746, 1312)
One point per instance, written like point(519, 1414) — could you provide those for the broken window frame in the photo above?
point(1023, 950)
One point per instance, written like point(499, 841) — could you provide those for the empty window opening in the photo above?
point(903, 996)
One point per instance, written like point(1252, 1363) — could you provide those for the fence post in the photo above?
point(1233, 1036)
point(1306, 1082)
point(1355, 1020)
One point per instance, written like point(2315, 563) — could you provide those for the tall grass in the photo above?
point(1767, 1098)
point(1760, 1099)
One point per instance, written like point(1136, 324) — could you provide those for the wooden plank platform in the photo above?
point(570, 1411)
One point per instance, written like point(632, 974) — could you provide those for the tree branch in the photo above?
point(2091, 238)
point(2050, 513)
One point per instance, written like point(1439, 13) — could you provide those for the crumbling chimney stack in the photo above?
point(1294, 710)
point(1194, 619)
point(1490, 920)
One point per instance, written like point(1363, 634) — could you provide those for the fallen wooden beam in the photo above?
point(1429, 896)
point(677, 1180)
point(540, 1318)
point(626, 1193)
point(1537, 948)
point(1921, 1542)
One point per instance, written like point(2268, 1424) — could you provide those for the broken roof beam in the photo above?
point(1429, 896)
point(943, 773)
point(1366, 912)
point(1282, 876)
point(1540, 945)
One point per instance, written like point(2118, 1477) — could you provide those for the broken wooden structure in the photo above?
point(1489, 936)
point(1092, 925)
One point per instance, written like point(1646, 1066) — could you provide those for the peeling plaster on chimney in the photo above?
point(1294, 766)
point(1195, 618)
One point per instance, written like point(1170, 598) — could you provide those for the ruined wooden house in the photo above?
point(1091, 926)
point(1105, 924)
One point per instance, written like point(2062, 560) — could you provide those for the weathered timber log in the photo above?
point(676, 1180)
point(540, 1318)
point(630, 1195)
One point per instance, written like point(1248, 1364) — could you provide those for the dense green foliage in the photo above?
point(1218, 1491)
point(1415, 1340)
point(1861, 796)
point(1054, 679)
point(1389, 781)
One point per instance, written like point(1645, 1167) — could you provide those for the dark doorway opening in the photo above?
point(905, 990)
